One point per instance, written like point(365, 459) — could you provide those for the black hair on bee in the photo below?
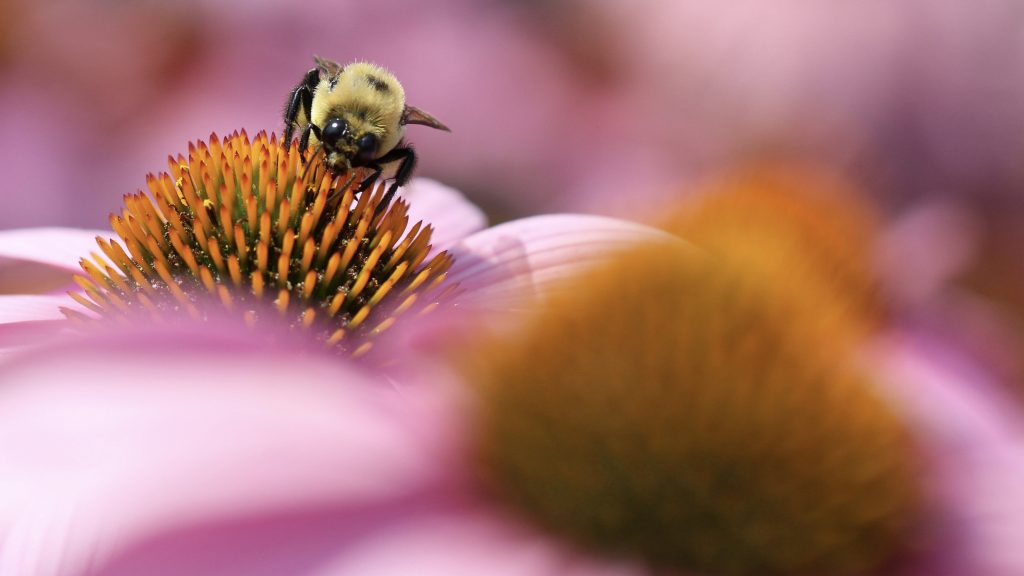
point(358, 114)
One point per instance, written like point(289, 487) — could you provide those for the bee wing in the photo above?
point(328, 68)
point(413, 115)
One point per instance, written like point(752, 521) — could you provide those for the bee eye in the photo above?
point(333, 131)
point(367, 147)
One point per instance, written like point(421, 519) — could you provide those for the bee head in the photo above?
point(334, 132)
point(339, 137)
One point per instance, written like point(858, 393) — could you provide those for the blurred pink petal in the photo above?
point(58, 247)
point(206, 453)
point(465, 542)
point(923, 250)
point(106, 442)
point(971, 436)
point(443, 537)
point(974, 437)
point(507, 267)
point(443, 207)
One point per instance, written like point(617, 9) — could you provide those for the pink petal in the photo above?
point(509, 266)
point(442, 537)
point(107, 442)
point(29, 320)
point(925, 249)
point(467, 541)
point(58, 247)
point(974, 436)
point(32, 308)
point(446, 209)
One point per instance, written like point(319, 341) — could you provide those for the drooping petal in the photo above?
point(974, 439)
point(61, 248)
point(509, 266)
point(446, 209)
point(105, 442)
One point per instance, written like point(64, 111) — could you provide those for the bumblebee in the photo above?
point(358, 114)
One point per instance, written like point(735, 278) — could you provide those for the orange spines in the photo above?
point(239, 224)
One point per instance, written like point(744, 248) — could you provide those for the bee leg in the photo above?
point(304, 139)
point(300, 100)
point(369, 180)
point(406, 158)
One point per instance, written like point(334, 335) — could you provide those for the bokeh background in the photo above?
point(604, 106)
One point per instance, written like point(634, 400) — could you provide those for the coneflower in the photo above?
point(259, 228)
point(700, 414)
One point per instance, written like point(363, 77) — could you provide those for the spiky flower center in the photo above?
point(701, 416)
point(259, 227)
